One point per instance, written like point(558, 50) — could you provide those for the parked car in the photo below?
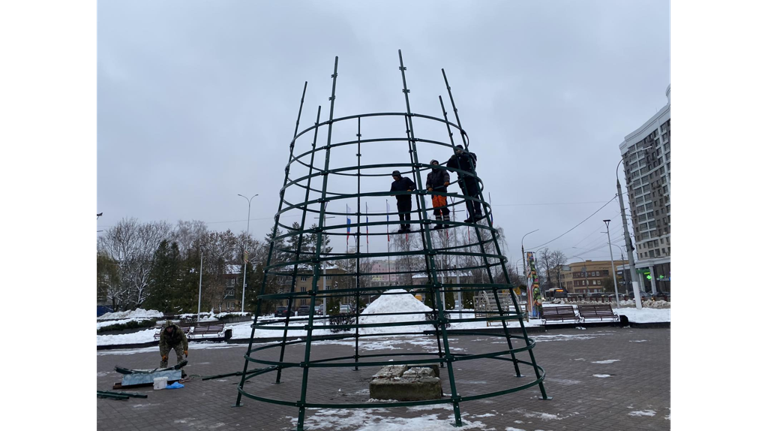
point(643, 294)
point(281, 312)
point(319, 310)
point(556, 293)
point(345, 309)
point(303, 310)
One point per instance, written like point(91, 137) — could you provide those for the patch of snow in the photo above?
point(601, 376)
point(544, 416)
point(607, 361)
point(565, 382)
point(400, 302)
point(131, 314)
point(642, 413)
point(373, 420)
point(513, 428)
point(645, 314)
point(637, 341)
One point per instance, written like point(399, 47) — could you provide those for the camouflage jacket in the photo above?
point(173, 339)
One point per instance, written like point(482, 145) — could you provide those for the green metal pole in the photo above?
point(504, 269)
point(269, 259)
point(299, 244)
point(357, 253)
point(308, 346)
point(430, 252)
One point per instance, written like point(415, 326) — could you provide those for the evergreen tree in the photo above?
point(165, 278)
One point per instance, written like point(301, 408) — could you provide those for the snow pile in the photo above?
point(232, 313)
point(100, 325)
point(131, 314)
point(204, 317)
point(400, 302)
point(144, 336)
point(658, 303)
point(645, 314)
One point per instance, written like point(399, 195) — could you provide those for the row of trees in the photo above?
point(157, 265)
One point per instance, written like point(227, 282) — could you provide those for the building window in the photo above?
point(303, 278)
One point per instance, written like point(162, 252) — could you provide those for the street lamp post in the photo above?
point(628, 243)
point(624, 278)
point(528, 293)
point(613, 267)
point(200, 286)
point(245, 262)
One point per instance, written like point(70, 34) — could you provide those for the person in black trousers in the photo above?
point(401, 184)
point(467, 161)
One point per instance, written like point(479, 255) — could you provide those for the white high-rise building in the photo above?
point(647, 164)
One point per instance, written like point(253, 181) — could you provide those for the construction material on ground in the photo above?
point(119, 395)
point(160, 383)
point(138, 377)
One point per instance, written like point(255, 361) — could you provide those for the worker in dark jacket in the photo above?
point(437, 181)
point(172, 337)
point(466, 161)
point(401, 184)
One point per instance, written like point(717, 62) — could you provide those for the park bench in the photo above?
point(485, 305)
point(561, 313)
point(597, 311)
point(201, 330)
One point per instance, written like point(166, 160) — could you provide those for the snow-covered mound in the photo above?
point(400, 303)
point(131, 314)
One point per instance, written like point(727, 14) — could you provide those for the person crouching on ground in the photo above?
point(172, 337)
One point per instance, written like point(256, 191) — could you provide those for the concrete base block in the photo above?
point(403, 383)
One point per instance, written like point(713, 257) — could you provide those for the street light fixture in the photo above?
point(245, 262)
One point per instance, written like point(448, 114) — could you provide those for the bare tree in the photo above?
point(132, 245)
point(108, 285)
point(219, 251)
point(407, 263)
point(558, 260)
point(552, 260)
point(188, 233)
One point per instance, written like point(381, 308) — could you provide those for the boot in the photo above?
point(438, 219)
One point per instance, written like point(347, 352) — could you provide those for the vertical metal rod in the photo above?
point(430, 251)
point(357, 253)
point(259, 300)
point(308, 346)
point(613, 267)
point(298, 249)
point(480, 240)
point(504, 268)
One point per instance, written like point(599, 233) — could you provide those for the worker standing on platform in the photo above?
point(403, 184)
point(467, 161)
point(438, 181)
point(172, 337)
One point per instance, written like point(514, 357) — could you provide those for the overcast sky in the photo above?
point(197, 102)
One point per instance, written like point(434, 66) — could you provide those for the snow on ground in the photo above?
point(375, 419)
point(646, 315)
point(132, 314)
point(384, 304)
point(117, 322)
point(642, 413)
point(132, 338)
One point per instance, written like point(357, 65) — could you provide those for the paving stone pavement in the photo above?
point(599, 379)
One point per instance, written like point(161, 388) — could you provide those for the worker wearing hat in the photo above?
point(401, 187)
point(438, 181)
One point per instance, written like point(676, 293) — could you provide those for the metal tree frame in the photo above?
point(287, 263)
